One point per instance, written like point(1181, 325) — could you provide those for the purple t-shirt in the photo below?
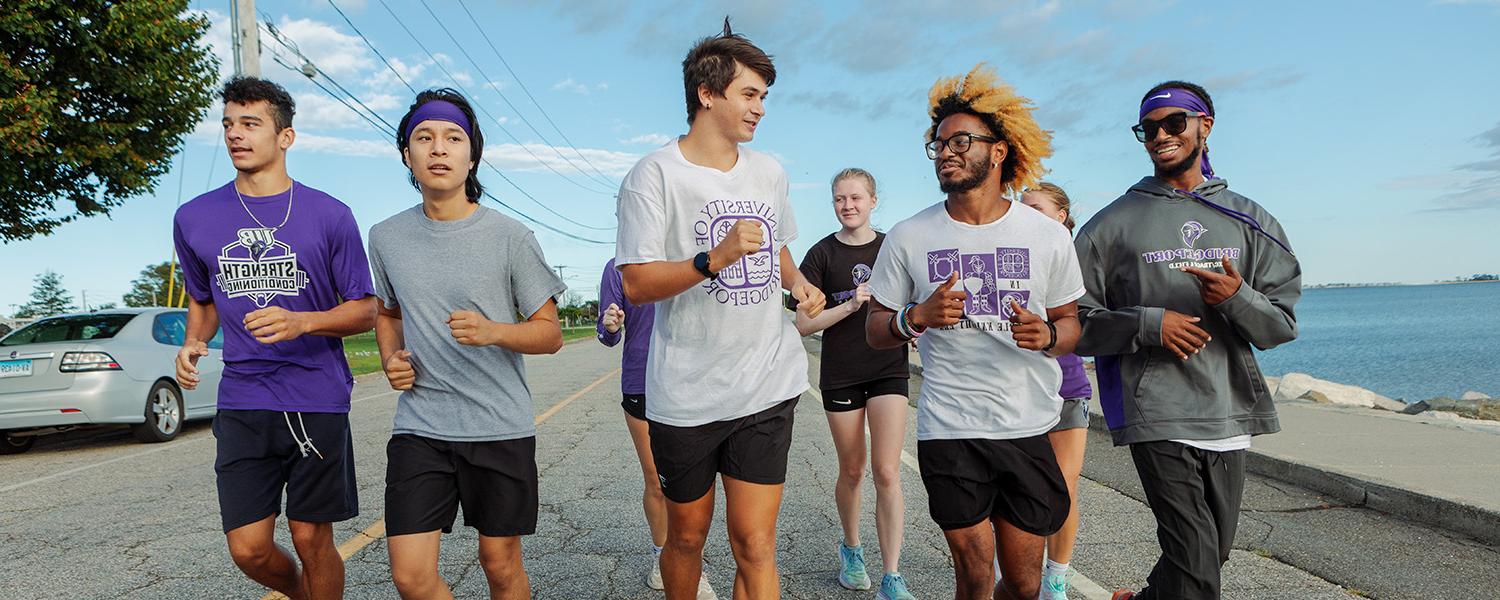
point(1075, 383)
point(638, 321)
point(312, 263)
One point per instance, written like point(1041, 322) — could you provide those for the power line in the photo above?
point(309, 70)
point(481, 107)
point(371, 46)
point(522, 85)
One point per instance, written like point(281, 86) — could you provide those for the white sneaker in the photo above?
point(653, 578)
point(705, 590)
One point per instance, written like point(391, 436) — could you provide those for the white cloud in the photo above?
point(341, 146)
point(336, 53)
point(568, 85)
point(648, 139)
point(515, 157)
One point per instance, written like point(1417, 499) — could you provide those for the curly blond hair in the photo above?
point(983, 94)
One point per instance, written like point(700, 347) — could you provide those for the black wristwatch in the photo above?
point(700, 262)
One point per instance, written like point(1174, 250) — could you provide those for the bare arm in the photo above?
point(275, 324)
point(541, 333)
point(395, 359)
point(879, 333)
point(202, 324)
point(809, 325)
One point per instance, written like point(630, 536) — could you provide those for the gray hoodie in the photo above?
point(1131, 254)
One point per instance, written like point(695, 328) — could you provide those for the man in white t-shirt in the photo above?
point(994, 285)
point(704, 224)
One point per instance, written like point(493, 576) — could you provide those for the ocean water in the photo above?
point(1407, 342)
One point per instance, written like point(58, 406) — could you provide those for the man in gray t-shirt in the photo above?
point(464, 292)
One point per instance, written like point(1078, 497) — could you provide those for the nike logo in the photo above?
point(1166, 95)
point(844, 402)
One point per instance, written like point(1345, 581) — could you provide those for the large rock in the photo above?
point(1295, 386)
point(1473, 395)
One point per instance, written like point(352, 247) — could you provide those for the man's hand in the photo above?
point(1029, 329)
point(861, 295)
point(1181, 336)
point(943, 308)
point(744, 237)
point(472, 329)
point(399, 372)
point(613, 318)
point(274, 324)
point(810, 300)
point(187, 364)
point(1217, 287)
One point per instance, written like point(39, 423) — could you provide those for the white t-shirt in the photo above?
point(724, 348)
point(1229, 444)
point(977, 383)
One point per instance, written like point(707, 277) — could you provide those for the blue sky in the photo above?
point(1368, 129)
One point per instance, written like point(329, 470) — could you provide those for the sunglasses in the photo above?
point(1174, 124)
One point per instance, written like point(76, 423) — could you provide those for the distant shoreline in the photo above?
point(1339, 286)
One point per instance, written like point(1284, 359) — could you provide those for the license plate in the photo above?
point(15, 368)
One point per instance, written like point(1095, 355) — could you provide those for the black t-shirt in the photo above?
point(837, 269)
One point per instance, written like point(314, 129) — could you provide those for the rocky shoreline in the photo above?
point(1475, 407)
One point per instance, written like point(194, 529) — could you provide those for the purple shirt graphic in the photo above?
point(1075, 382)
point(312, 263)
point(638, 322)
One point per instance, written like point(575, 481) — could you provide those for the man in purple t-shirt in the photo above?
point(281, 268)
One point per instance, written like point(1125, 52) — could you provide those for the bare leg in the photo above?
point(750, 511)
point(682, 556)
point(848, 429)
point(322, 567)
point(254, 550)
point(501, 559)
point(414, 566)
point(1068, 445)
point(1020, 553)
point(972, 548)
point(652, 500)
point(887, 415)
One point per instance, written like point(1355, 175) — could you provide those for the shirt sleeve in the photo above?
point(1065, 281)
point(382, 279)
point(532, 282)
point(786, 228)
point(347, 260)
point(195, 275)
point(642, 214)
point(891, 283)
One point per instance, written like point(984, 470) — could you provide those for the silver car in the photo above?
point(113, 367)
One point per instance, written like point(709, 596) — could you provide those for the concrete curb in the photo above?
point(1413, 505)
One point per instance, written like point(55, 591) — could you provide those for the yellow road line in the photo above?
point(376, 530)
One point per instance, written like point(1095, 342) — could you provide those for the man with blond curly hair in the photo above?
point(993, 284)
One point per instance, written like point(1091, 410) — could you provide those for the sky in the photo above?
point(1367, 129)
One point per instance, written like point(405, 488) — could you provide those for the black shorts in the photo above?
point(971, 480)
point(634, 405)
point(426, 480)
point(751, 448)
point(257, 458)
point(855, 397)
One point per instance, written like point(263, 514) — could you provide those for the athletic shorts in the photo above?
point(634, 405)
point(426, 480)
point(751, 448)
point(971, 480)
point(1075, 415)
point(258, 458)
point(855, 397)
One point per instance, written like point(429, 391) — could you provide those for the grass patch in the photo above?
point(364, 355)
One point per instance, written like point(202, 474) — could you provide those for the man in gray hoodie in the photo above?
point(1182, 277)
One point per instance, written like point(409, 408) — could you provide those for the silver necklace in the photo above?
point(289, 194)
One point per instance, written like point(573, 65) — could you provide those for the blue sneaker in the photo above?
point(852, 568)
point(1055, 585)
point(893, 587)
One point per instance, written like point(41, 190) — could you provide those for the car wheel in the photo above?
point(164, 414)
point(10, 444)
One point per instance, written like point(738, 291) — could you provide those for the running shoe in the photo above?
point(852, 568)
point(893, 587)
point(705, 590)
point(1055, 586)
point(653, 578)
point(1122, 595)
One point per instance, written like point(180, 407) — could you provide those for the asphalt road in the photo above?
point(96, 515)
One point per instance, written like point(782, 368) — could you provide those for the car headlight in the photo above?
point(79, 362)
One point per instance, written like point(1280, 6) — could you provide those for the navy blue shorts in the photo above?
point(258, 459)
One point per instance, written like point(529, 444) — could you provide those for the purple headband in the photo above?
point(1180, 98)
point(438, 110)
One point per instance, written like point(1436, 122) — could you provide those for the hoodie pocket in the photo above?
point(1140, 402)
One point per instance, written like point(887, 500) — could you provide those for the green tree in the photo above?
point(48, 297)
point(95, 98)
point(150, 287)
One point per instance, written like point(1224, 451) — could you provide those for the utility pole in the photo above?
point(245, 37)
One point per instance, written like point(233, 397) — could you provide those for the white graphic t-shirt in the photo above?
point(977, 383)
point(724, 348)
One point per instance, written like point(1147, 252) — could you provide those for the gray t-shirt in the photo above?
point(488, 263)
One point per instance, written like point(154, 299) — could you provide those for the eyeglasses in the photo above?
point(959, 143)
point(1174, 124)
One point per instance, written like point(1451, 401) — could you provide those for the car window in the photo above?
point(169, 329)
point(69, 329)
point(218, 341)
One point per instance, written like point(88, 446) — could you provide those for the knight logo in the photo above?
point(1191, 232)
point(860, 273)
point(259, 267)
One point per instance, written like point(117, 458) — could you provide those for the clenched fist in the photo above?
point(187, 364)
point(744, 237)
point(471, 328)
point(1029, 329)
point(399, 372)
point(613, 318)
point(810, 300)
point(943, 308)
